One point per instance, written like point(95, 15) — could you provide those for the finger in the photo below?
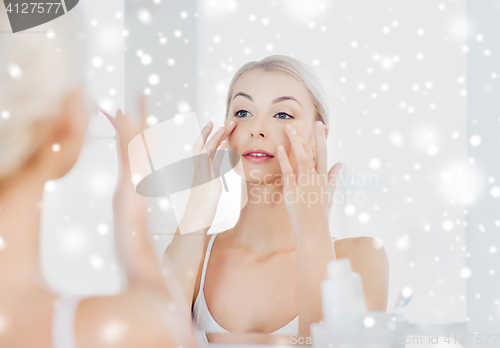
point(286, 167)
point(124, 134)
point(321, 158)
point(230, 126)
point(121, 122)
point(199, 144)
point(110, 118)
point(143, 111)
point(215, 142)
point(308, 150)
point(201, 141)
point(122, 125)
point(333, 176)
point(310, 156)
point(219, 155)
point(228, 129)
point(216, 139)
point(298, 150)
point(119, 114)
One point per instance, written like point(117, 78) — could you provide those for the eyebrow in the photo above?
point(275, 101)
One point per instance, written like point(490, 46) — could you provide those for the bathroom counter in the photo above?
point(246, 340)
point(220, 345)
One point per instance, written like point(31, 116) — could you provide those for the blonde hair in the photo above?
point(37, 70)
point(295, 68)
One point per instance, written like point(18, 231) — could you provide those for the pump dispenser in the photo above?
point(343, 297)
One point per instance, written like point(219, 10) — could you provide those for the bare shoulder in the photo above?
point(136, 318)
point(363, 252)
point(369, 259)
point(358, 247)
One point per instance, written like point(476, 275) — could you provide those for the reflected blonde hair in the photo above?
point(37, 70)
point(295, 68)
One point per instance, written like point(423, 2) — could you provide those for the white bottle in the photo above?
point(343, 297)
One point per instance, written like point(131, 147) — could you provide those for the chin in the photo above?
point(261, 174)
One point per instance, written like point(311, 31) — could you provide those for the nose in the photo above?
point(258, 130)
point(257, 134)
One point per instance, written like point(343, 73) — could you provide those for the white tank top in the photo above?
point(204, 320)
point(63, 321)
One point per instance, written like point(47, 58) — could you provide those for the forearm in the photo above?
point(184, 255)
point(133, 243)
point(314, 251)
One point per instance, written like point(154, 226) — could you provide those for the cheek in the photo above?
point(279, 137)
point(232, 140)
point(229, 142)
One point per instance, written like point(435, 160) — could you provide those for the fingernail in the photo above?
point(281, 149)
point(231, 123)
point(208, 124)
point(319, 124)
point(292, 131)
point(220, 129)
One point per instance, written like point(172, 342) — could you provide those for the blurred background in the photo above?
point(415, 139)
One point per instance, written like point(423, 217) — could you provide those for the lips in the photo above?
point(258, 151)
point(257, 155)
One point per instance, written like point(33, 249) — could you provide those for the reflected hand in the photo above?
point(144, 272)
point(308, 193)
point(129, 208)
point(206, 185)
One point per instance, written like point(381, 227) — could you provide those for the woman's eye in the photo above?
point(238, 113)
point(283, 113)
point(244, 113)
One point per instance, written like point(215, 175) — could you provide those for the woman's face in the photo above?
point(262, 104)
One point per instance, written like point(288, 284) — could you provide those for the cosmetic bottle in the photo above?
point(343, 297)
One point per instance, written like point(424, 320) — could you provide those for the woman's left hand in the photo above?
point(308, 193)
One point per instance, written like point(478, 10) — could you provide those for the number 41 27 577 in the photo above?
point(39, 7)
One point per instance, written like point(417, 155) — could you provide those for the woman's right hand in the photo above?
point(153, 288)
point(206, 185)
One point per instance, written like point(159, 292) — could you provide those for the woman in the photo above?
point(44, 110)
point(270, 265)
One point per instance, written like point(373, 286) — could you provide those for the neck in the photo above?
point(263, 223)
point(20, 211)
